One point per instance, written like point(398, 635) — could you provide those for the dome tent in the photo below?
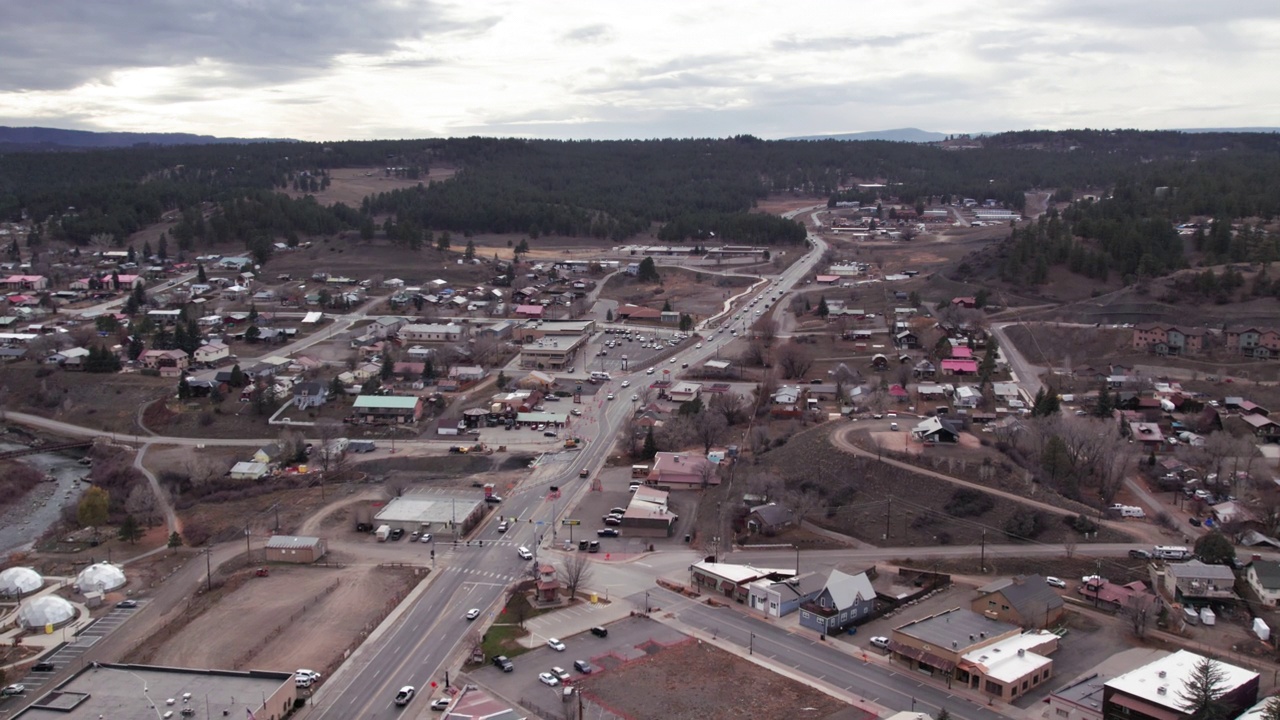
point(45, 610)
point(17, 581)
point(99, 577)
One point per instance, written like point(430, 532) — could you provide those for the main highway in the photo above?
point(430, 634)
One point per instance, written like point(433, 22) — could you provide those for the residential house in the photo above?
point(1194, 582)
point(843, 601)
point(467, 373)
point(936, 429)
point(270, 455)
point(211, 352)
point(1026, 601)
point(1168, 339)
point(907, 340)
point(967, 396)
point(1149, 434)
point(310, 394)
point(786, 395)
point(170, 363)
point(960, 367)
point(1155, 691)
point(638, 313)
point(672, 471)
point(388, 408)
point(968, 302)
point(1260, 343)
point(778, 598)
point(1262, 427)
point(769, 519)
point(248, 471)
point(71, 358)
point(1264, 577)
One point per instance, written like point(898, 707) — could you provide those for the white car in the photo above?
point(547, 678)
point(672, 360)
point(880, 641)
point(555, 644)
point(524, 553)
point(405, 695)
point(698, 346)
point(560, 673)
point(309, 675)
point(650, 371)
point(473, 613)
point(1055, 582)
point(609, 396)
point(626, 383)
point(14, 689)
point(635, 398)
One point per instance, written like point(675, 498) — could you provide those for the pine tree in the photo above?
point(130, 531)
point(201, 277)
point(650, 449)
point(175, 540)
point(823, 310)
point(1202, 691)
point(184, 389)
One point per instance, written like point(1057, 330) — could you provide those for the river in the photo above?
point(23, 523)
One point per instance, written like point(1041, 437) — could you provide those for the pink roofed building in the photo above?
point(25, 282)
point(530, 311)
point(961, 352)
point(960, 367)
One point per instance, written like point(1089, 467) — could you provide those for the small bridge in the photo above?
point(44, 449)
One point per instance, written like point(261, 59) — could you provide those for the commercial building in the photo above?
point(1081, 699)
point(434, 513)
point(107, 690)
point(295, 549)
point(1154, 691)
point(965, 647)
point(732, 580)
point(388, 408)
point(648, 514)
point(551, 353)
point(432, 332)
point(681, 471)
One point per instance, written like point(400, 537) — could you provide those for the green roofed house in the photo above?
point(387, 408)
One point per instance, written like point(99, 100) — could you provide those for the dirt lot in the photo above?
point(700, 294)
point(629, 689)
point(106, 402)
point(856, 491)
point(298, 617)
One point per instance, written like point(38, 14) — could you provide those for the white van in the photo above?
point(524, 553)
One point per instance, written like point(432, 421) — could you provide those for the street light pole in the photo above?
point(208, 569)
point(751, 644)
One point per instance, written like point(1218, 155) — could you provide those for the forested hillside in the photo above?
point(681, 189)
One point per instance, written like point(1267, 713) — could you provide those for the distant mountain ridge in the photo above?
point(39, 138)
point(917, 135)
point(898, 135)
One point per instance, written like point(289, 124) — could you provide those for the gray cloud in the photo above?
point(1144, 15)
point(836, 43)
point(596, 33)
point(61, 44)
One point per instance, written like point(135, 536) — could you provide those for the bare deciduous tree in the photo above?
point(794, 360)
point(395, 486)
point(709, 428)
point(767, 330)
point(142, 504)
point(732, 406)
point(575, 572)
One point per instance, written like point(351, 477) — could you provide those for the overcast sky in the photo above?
point(362, 69)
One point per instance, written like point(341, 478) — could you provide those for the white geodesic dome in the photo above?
point(45, 610)
point(20, 581)
point(100, 577)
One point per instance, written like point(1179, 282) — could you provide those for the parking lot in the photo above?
point(614, 493)
point(639, 355)
point(629, 639)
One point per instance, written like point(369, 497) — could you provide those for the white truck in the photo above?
point(383, 532)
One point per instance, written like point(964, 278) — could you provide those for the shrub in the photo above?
point(1024, 525)
point(967, 502)
point(1082, 524)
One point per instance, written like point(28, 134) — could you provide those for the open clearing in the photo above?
point(698, 293)
point(300, 616)
point(691, 678)
point(350, 186)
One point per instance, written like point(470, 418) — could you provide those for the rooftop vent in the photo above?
point(1162, 690)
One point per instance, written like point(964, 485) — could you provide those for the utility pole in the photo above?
point(248, 551)
point(984, 551)
point(208, 569)
point(888, 516)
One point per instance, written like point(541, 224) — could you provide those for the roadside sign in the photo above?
point(570, 522)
